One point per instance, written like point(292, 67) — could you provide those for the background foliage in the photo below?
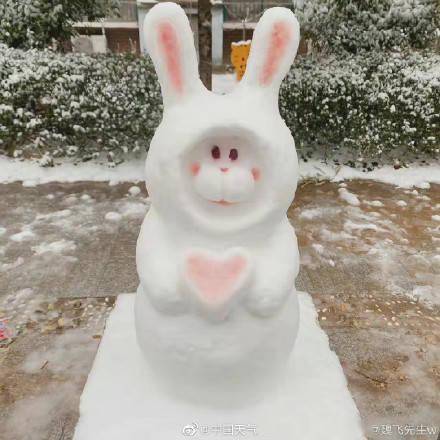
point(370, 108)
point(38, 23)
point(370, 90)
point(76, 105)
point(365, 25)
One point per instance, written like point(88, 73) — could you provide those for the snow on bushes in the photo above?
point(355, 26)
point(39, 23)
point(377, 106)
point(54, 105)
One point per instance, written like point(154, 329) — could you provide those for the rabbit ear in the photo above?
point(273, 49)
point(170, 44)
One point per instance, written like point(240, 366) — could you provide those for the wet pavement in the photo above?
point(370, 257)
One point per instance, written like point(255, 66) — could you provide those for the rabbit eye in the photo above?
point(233, 154)
point(215, 152)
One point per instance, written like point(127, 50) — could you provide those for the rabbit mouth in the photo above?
point(222, 188)
point(223, 202)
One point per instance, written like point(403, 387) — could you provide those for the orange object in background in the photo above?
point(239, 56)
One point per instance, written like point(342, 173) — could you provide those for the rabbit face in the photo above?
point(227, 161)
point(224, 171)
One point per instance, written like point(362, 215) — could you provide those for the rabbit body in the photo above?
point(217, 258)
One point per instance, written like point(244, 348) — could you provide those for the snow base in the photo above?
point(122, 401)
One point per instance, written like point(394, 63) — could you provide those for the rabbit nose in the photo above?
point(224, 170)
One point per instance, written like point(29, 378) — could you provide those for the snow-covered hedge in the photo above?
point(76, 105)
point(39, 23)
point(355, 26)
point(375, 106)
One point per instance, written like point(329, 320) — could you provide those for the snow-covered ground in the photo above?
point(31, 173)
point(370, 257)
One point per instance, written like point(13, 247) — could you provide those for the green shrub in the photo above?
point(363, 25)
point(375, 106)
point(76, 105)
point(38, 23)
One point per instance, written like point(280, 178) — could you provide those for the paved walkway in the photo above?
point(370, 258)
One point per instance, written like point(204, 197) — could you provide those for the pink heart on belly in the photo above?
point(216, 278)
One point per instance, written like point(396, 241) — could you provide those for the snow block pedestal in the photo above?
point(122, 399)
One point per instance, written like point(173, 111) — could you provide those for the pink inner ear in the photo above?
point(279, 40)
point(170, 46)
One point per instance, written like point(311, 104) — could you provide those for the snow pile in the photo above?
point(13, 170)
point(113, 216)
point(349, 197)
point(428, 295)
point(314, 389)
point(134, 190)
point(70, 351)
point(25, 234)
point(59, 246)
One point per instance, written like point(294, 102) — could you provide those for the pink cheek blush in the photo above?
point(256, 173)
point(195, 168)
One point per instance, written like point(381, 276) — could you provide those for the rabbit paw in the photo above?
point(266, 302)
point(167, 300)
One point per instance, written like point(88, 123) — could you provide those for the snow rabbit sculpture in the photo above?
point(216, 309)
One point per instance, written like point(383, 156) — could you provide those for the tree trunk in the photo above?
point(205, 54)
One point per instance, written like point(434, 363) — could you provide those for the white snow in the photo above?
point(319, 212)
point(25, 234)
point(425, 294)
point(54, 215)
point(423, 185)
point(223, 83)
point(319, 248)
point(375, 203)
point(315, 389)
point(401, 203)
point(54, 247)
point(132, 209)
point(350, 226)
point(349, 197)
point(134, 190)
point(311, 213)
point(70, 351)
point(113, 216)
point(8, 266)
point(29, 415)
point(70, 200)
point(14, 170)
point(409, 177)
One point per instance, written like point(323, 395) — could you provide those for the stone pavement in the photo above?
point(370, 257)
